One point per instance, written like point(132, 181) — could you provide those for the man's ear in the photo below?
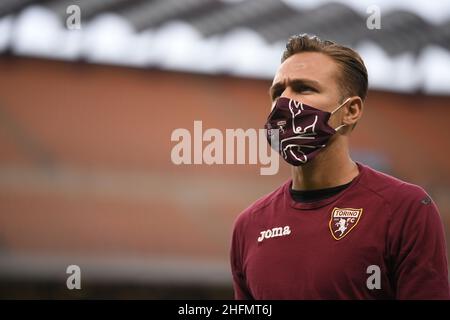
point(353, 111)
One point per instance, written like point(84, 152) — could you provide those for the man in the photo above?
point(337, 229)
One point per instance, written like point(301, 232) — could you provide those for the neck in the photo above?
point(330, 168)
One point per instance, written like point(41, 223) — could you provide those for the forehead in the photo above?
point(311, 65)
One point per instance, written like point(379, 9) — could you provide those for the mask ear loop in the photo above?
point(341, 126)
point(343, 103)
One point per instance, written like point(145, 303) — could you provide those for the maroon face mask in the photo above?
point(303, 130)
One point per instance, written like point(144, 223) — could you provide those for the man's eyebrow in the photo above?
point(303, 81)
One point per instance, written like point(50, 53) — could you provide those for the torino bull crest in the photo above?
point(343, 221)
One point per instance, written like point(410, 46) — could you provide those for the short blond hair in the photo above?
point(353, 78)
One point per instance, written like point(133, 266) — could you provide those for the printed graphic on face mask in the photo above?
point(296, 109)
point(303, 130)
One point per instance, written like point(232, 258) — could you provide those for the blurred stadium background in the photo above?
point(86, 118)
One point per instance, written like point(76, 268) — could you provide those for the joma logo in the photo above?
point(274, 232)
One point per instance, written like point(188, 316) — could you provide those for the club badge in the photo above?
point(343, 220)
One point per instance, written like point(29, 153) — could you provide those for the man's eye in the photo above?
point(276, 94)
point(304, 89)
